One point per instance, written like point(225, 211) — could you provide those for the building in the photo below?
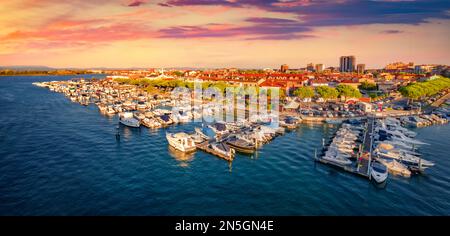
point(360, 68)
point(284, 68)
point(423, 68)
point(310, 67)
point(347, 64)
point(319, 68)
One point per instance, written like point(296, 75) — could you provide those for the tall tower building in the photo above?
point(310, 67)
point(347, 63)
point(284, 68)
point(319, 68)
point(360, 68)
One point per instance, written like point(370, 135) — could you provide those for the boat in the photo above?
point(165, 120)
point(407, 159)
point(197, 138)
point(181, 141)
point(102, 108)
point(395, 167)
point(241, 145)
point(219, 128)
point(150, 123)
point(200, 132)
point(110, 110)
point(141, 105)
point(334, 121)
point(139, 115)
point(333, 156)
point(289, 123)
point(126, 118)
point(378, 172)
point(223, 149)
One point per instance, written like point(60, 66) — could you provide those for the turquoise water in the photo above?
point(61, 158)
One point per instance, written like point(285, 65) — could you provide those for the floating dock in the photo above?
point(361, 165)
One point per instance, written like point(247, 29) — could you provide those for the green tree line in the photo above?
point(428, 88)
point(325, 92)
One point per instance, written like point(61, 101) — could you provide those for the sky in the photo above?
point(222, 33)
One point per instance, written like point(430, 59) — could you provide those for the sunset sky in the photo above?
point(222, 33)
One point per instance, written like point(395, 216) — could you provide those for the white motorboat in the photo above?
point(127, 118)
point(395, 167)
point(181, 141)
point(334, 157)
point(378, 172)
point(406, 159)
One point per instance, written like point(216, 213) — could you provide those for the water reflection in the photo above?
point(183, 158)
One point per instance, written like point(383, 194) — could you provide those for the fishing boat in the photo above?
point(181, 141)
point(126, 118)
point(378, 172)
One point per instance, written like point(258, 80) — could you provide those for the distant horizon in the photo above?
point(43, 67)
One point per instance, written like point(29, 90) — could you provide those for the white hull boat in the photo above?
point(181, 141)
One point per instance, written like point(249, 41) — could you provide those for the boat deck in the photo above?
point(205, 147)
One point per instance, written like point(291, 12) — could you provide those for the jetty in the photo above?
point(361, 166)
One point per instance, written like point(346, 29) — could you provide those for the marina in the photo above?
point(368, 146)
point(143, 163)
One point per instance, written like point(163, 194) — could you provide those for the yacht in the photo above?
point(333, 156)
point(127, 118)
point(181, 141)
point(407, 159)
point(378, 172)
point(395, 167)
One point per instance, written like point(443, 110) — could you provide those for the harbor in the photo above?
point(80, 162)
point(369, 145)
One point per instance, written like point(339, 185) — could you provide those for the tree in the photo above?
point(326, 92)
point(424, 89)
point(304, 92)
point(348, 91)
point(368, 86)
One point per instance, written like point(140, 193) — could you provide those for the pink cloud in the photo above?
point(72, 35)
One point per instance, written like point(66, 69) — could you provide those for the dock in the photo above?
point(361, 166)
point(206, 148)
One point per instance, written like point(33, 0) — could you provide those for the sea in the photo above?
point(60, 158)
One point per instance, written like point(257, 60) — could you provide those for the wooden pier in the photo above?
point(206, 148)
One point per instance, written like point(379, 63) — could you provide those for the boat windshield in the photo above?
point(379, 168)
